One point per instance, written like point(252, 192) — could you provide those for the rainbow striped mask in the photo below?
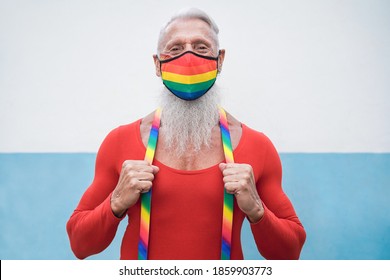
point(189, 75)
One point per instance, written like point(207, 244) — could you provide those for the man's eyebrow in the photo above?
point(207, 42)
point(173, 42)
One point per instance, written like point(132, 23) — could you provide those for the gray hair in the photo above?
point(190, 13)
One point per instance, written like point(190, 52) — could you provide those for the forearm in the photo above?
point(257, 213)
point(278, 238)
point(91, 231)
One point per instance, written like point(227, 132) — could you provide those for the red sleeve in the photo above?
point(93, 226)
point(279, 234)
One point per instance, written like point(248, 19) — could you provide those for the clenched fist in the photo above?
point(240, 181)
point(136, 177)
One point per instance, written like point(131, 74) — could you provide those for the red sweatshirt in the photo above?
point(186, 210)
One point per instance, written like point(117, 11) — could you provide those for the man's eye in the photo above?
point(202, 48)
point(175, 50)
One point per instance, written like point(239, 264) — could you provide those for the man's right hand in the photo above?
point(136, 177)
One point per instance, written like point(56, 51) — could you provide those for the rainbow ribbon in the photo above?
point(143, 243)
point(227, 219)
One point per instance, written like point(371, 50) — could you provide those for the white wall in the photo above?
point(312, 75)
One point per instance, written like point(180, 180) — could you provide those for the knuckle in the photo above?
point(131, 173)
point(127, 164)
point(133, 182)
point(147, 169)
point(246, 177)
point(248, 167)
point(229, 187)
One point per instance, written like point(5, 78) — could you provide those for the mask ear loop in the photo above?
point(159, 61)
point(219, 69)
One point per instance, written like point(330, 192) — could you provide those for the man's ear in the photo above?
point(221, 58)
point(157, 65)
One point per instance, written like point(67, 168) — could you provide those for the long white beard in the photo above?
point(187, 125)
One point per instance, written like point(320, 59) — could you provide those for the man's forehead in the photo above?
point(188, 26)
point(185, 30)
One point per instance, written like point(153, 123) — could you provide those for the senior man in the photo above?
point(188, 174)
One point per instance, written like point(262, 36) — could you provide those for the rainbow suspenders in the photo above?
point(227, 221)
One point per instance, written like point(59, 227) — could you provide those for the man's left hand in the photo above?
point(240, 181)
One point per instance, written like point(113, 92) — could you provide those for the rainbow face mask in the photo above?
point(189, 75)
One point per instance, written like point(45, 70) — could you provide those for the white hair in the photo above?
point(190, 13)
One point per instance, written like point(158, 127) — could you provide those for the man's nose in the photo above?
point(188, 47)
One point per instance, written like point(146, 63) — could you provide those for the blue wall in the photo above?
point(342, 200)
